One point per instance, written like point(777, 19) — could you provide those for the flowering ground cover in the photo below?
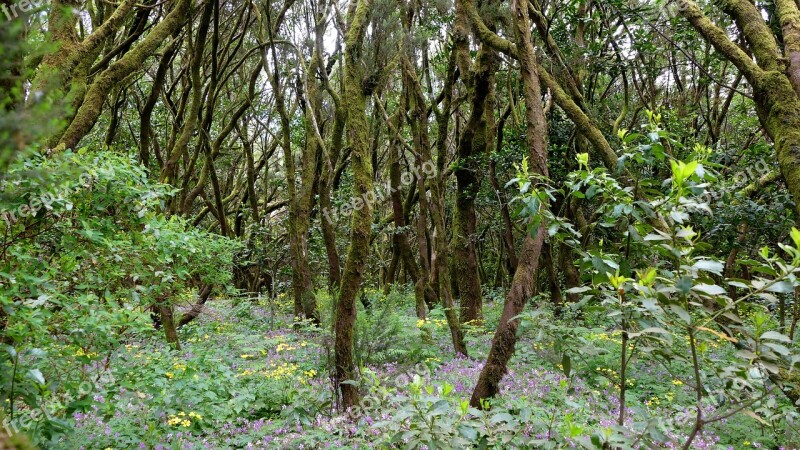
point(240, 383)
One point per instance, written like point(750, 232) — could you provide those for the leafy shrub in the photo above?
point(86, 252)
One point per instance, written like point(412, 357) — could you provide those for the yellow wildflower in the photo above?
point(283, 347)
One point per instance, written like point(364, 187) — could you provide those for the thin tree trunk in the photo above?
point(505, 337)
point(471, 153)
point(145, 117)
point(165, 313)
point(197, 307)
point(440, 269)
point(325, 184)
point(361, 221)
point(552, 277)
point(91, 106)
point(300, 197)
point(507, 236)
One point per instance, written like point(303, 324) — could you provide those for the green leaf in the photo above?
point(439, 408)
point(36, 375)
point(778, 348)
point(795, 234)
point(775, 336)
point(657, 236)
point(578, 290)
point(647, 276)
point(467, 432)
point(684, 285)
point(677, 171)
point(10, 350)
point(656, 330)
point(710, 289)
point(501, 417)
point(688, 169)
point(781, 287)
point(682, 313)
point(709, 266)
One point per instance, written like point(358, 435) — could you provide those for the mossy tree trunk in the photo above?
point(91, 105)
point(355, 100)
point(505, 337)
point(770, 75)
point(63, 72)
point(507, 236)
point(300, 195)
point(306, 196)
point(12, 64)
point(425, 297)
point(330, 159)
point(170, 168)
point(330, 163)
point(478, 76)
point(440, 261)
point(773, 79)
point(167, 319)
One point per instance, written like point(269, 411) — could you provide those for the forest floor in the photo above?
point(246, 378)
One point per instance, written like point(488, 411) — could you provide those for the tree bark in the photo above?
point(361, 221)
point(197, 308)
point(776, 99)
point(91, 106)
point(469, 171)
point(440, 263)
point(505, 337)
point(301, 196)
point(165, 314)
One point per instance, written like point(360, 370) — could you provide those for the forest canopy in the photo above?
point(399, 224)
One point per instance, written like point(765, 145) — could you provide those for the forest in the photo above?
point(399, 224)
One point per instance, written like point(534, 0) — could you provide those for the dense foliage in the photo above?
point(399, 224)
